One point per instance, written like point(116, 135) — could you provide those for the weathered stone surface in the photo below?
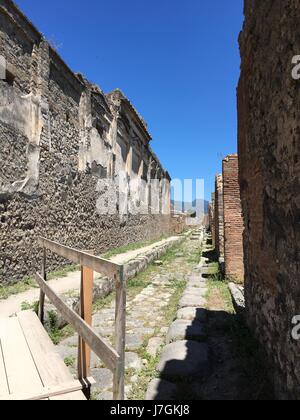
point(104, 396)
point(161, 390)
point(66, 351)
point(186, 330)
point(269, 150)
point(154, 345)
point(133, 361)
point(189, 300)
point(70, 342)
point(61, 145)
point(134, 341)
point(184, 360)
point(238, 298)
point(158, 263)
point(190, 314)
point(103, 378)
point(196, 291)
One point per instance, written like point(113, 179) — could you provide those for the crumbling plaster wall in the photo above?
point(60, 142)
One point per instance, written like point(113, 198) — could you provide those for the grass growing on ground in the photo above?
point(29, 283)
point(16, 288)
point(56, 334)
point(63, 272)
point(70, 361)
point(146, 375)
point(26, 306)
point(131, 247)
point(218, 288)
point(243, 345)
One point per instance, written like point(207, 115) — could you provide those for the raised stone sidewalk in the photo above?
point(184, 361)
point(68, 287)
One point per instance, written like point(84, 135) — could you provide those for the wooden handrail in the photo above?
point(100, 347)
point(114, 359)
point(100, 265)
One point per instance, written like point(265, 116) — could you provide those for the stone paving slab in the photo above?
point(196, 291)
point(184, 360)
point(133, 361)
point(161, 390)
point(189, 300)
point(154, 345)
point(103, 378)
point(190, 314)
point(134, 342)
point(186, 330)
point(196, 283)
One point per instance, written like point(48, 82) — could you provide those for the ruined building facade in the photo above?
point(233, 220)
point(269, 152)
point(62, 144)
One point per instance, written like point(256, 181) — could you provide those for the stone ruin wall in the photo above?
point(233, 220)
point(269, 150)
point(61, 141)
point(212, 218)
point(219, 218)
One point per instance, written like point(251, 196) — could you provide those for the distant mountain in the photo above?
point(188, 207)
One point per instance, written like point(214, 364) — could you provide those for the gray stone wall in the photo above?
point(61, 141)
point(269, 149)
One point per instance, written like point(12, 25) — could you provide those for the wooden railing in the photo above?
point(89, 340)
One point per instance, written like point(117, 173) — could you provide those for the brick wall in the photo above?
point(212, 218)
point(233, 220)
point(219, 218)
point(269, 150)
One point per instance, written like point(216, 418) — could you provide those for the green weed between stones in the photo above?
point(29, 283)
point(131, 247)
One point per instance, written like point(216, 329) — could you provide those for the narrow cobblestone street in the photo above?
point(149, 314)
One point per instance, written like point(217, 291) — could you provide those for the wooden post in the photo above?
point(42, 294)
point(86, 313)
point(119, 374)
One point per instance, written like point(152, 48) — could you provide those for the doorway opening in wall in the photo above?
point(9, 78)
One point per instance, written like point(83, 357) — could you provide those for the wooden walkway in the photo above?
point(30, 368)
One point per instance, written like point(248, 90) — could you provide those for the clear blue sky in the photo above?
point(177, 61)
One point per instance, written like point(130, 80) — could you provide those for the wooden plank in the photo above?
point(101, 348)
point(55, 391)
point(49, 364)
point(4, 390)
point(86, 313)
point(119, 374)
point(97, 264)
point(20, 368)
point(72, 396)
point(42, 294)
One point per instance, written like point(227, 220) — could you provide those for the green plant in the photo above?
point(131, 247)
point(29, 283)
point(16, 288)
point(70, 361)
point(26, 306)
